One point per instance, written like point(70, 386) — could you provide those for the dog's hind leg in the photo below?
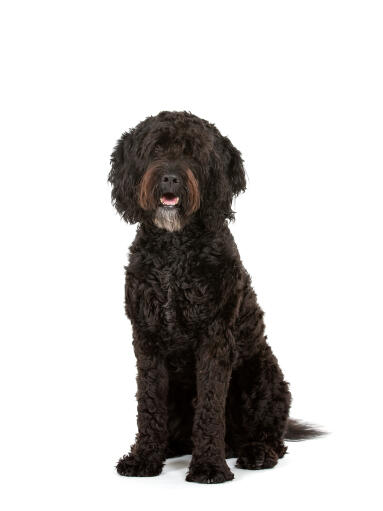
point(261, 404)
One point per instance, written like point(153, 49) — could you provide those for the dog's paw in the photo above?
point(257, 456)
point(135, 466)
point(209, 474)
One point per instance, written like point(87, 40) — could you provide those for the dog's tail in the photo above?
point(297, 430)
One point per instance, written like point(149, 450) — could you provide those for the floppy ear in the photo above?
point(234, 168)
point(226, 179)
point(123, 179)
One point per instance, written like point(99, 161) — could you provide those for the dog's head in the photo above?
point(175, 167)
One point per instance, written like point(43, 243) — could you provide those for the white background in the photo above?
point(297, 86)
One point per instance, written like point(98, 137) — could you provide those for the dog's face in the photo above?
point(173, 168)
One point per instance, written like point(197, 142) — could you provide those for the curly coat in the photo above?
point(208, 382)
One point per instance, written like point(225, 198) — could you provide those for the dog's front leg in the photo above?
point(147, 455)
point(213, 370)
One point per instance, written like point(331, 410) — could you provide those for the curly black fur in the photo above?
point(208, 382)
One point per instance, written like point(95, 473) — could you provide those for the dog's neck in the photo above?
point(194, 229)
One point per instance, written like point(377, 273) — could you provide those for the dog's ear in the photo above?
point(226, 179)
point(234, 167)
point(123, 179)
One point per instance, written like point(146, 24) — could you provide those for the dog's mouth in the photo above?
point(169, 200)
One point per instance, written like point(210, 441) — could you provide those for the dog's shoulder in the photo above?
point(190, 253)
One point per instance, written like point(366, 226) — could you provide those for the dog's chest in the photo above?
point(184, 294)
point(171, 296)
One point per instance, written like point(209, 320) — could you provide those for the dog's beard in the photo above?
point(168, 219)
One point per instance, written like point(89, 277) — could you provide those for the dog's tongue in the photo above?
point(169, 201)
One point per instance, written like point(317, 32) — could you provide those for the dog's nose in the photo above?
point(170, 179)
point(170, 183)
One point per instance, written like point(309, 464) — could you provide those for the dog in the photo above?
point(208, 382)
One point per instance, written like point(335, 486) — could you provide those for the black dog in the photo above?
point(208, 383)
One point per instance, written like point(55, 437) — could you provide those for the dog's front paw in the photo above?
point(135, 466)
point(257, 456)
point(208, 473)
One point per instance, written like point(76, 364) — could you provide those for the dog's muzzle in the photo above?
point(170, 186)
